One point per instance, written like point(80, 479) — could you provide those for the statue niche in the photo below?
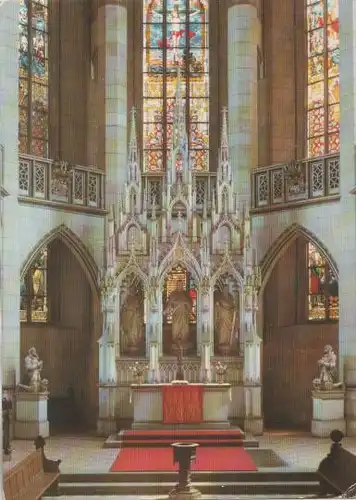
point(132, 321)
point(226, 320)
point(179, 313)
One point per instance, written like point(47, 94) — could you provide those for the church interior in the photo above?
point(178, 247)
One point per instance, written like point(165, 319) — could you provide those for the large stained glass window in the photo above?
point(323, 294)
point(33, 77)
point(323, 77)
point(33, 304)
point(175, 35)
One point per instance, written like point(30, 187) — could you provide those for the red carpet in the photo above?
point(161, 459)
point(177, 433)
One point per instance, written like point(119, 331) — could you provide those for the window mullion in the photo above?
point(30, 82)
point(326, 86)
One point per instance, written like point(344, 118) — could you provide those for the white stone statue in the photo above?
point(180, 306)
point(225, 319)
point(32, 381)
point(327, 379)
point(131, 316)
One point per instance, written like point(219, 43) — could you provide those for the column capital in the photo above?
point(103, 3)
point(254, 3)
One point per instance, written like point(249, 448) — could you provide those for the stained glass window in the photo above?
point(175, 35)
point(323, 77)
point(180, 275)
point(33, 304)
point(323, 293)
point(33, 77)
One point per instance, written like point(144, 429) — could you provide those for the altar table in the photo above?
point(157, 405)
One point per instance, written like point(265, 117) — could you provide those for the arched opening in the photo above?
point(226, 315)
point(300, 316)
point(179, 311)
point(60, 316)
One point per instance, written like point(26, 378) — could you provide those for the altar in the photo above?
point(180, 405)
point(181, 278)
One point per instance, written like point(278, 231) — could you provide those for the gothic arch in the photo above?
point(283, 242)
point(135, 270)
point(179, 255)
point(227, 268)
point(75, 245)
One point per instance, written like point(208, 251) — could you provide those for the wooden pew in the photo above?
point(337, 471)
point(28, 479)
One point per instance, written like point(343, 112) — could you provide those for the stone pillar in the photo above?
point(344, 227)
point(112, 50)
point(9, 210)
point(252, 386)
point(205, 367)
point(243, 33)
point(154, 373)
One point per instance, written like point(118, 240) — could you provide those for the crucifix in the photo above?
point(180, 372)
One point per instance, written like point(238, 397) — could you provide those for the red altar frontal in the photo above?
point(180, 404)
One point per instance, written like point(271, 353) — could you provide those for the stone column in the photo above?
point(243, 33)
point(112, 51)
point(344, 225)
point(9, 235)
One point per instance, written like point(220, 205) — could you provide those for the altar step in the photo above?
point(165, 437)
point(209, 483)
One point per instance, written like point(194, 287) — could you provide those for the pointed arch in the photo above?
point(75, 245)
point(179, 255)
point(283, 242)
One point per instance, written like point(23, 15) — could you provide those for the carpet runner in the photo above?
point(161, 459)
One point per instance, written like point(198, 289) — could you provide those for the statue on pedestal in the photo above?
point(32, 381)
point(132, 322)
point(180, 306)
point(225, 320)
point(327, 379)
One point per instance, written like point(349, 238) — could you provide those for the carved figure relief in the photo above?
point(226, 320)
point(328, 378)
point(132, 322)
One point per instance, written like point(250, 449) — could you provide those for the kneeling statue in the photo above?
point(32, 381)
point(327, 379)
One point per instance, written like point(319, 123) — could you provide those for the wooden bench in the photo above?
point(28, 481)
point(337, 471)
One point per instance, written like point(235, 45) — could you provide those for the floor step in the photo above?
point(207, 488)
point(198, 476)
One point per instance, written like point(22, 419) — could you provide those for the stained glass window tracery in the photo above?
point(175, 34)
point(33, 77)
point(323, 113)
point(323, 293)
point(33, 303)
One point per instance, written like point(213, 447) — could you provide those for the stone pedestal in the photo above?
point(31, 415)
point(328, 412)
point(253, 422)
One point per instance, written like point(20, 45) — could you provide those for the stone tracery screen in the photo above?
point(323, 114)
point(175, 34)
point(33, 77)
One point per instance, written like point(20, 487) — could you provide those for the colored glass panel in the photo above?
point(316, 95)
point(334, 143)
point(33, 291)
point(333, 62)
point(323, 76)
point(33, 64)
point(316, 146)
point(316, 122)
point(334, 118)
point(175, 34)
point(316, 42)
point(315, 16)
point(200, 159)
point(316, 69)
point(323, 300)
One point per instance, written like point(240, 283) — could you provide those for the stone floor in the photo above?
point(85, 454)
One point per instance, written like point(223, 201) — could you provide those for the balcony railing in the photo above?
point(297, 183)
point(59, 183)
